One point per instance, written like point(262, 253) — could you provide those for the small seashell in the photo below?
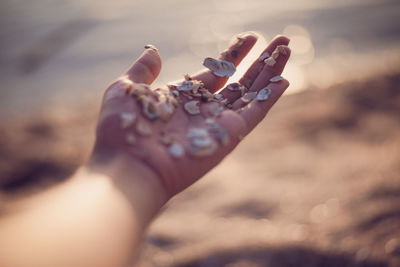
point(217, 110)
point(130, 138)
point(175, 93)
point(276, 79)
point(192, 107)
point(209, 121)
point(282, 49)
point(233, 87)
point(239, 41)
point(221, 68)
point(264, 56)
point(222, 134)
point(243, 90)
point(197, 133)
point(176, 150)
point(165, 110)
point(190, 85)
point(275, 54)
point(150, 46)
point(149, 107)
point(203, 151)
point(248, 97)
point(127, 119)
point(201, 142)
point(263, 94)
point(270, 61)
point(223, 137)
point(143, 129)
point(218, 96)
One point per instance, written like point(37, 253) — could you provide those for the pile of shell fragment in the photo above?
point(161, 104)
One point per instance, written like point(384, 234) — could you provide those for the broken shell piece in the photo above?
point(143, 129)
point(221, 133)
point(270, 61)
point(150, 46)
point(276, 79)
point(127, 119)
point(130, 138)
point(263, 56)
point(192, 107)
point(218, 96)
point(139, 89)
point(217, 110)
point(202, 143)
point(149, 107)
point(176, 150)
point(197, 133)
point(165, 110)
point(233, 87)
point(203, 151)
point(190, 85)
point(248, 97)
point(223, 137)
point(240, 41)
point(263, 94)
point(221, 68)
point(187, 77)
point(282, 49)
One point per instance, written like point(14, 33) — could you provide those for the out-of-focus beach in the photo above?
point(316, 184)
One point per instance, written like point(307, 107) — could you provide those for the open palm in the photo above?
point(178, 146)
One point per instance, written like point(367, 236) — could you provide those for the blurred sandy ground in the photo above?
point(317, 184)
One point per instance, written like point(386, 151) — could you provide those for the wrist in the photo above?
point(134, 180)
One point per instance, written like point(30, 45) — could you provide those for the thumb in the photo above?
point(146, 68)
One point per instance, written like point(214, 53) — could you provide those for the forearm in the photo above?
point(96, 218)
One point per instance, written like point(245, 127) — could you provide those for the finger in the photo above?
point(256, 110)
point(258, 66)
point(251, 74)
point(265, 75)
point(235, 54)
point(146, 68)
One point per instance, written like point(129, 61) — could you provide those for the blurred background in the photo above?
point(317, 184)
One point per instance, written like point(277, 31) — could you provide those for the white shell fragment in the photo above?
point(192, 107)
point(143, 129)
point(276, 79)
point(176, 150)
point(127, 119)
point(263, 94)
point(264, 56)
point(221, 68)
point(138, 89)
point(130, 138)
point(248, 97)
point(201, 143)
point(217, 111)
point(234, 87)
point(282, 49)
point(221, 133)
point(218, 96)
point(149, 107)
point(270, 61)
point(165, 110)
point(190, 85)
point(150, 46)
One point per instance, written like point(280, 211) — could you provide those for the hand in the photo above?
point(168, 147)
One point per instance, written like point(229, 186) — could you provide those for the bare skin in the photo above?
point(98, 217)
